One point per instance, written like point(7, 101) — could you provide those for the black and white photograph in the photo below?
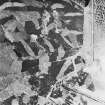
point(52, 52)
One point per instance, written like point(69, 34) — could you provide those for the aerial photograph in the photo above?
point(52, 52)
